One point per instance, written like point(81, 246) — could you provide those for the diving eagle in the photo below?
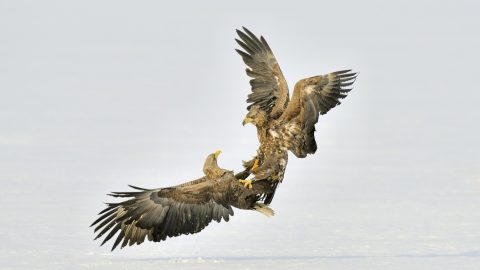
point(284, 124)
point(188, 208)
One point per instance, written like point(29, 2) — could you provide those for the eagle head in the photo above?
point(210, 167)
point(255, 116)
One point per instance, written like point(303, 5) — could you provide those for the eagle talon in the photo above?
point(255, 164)
point(246, 183)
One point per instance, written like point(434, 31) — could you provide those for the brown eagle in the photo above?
point(284, 124)
point(188, 208)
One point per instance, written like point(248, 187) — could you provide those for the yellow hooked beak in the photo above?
point(217, 153)
point(247, 120)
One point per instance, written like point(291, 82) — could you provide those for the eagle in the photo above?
point(156, 214)
point(284, 124)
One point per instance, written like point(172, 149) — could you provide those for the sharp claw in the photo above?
point(246, 183)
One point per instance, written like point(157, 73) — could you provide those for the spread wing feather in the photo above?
point(269, 88)
point(160, 213)
point(311, 97)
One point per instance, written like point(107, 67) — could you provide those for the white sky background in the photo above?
point(95, 95)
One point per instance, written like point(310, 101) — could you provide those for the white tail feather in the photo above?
point(264, 209)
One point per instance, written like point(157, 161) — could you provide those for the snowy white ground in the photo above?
point(357, 218)
point(95, 95)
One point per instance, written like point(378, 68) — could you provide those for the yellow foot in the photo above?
point(255, 164)
point(246, 183)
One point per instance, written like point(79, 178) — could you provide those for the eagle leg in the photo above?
point(255, 164)
point(246, 183)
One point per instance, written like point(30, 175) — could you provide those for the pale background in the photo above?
point(95, 95)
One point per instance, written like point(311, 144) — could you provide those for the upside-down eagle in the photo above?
point(284, 124)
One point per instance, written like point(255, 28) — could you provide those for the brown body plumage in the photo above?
point(156, 214)
point(284, 124)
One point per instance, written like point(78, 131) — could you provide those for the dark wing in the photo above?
point(161, 213)
point(271, 168)
point(311, 97)
point(269, 88)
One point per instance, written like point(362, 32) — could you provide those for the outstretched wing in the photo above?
point(311, 97)
point(269, 88)
point(161, 213)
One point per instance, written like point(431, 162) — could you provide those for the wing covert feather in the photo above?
point(314, 96)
